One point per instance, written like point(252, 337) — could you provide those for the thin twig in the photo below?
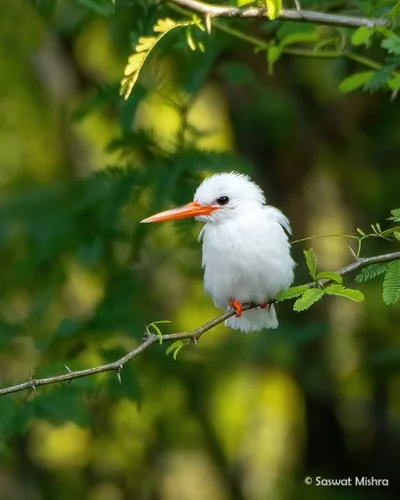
point(192, 334)
point(309, 16)
point(119, 363)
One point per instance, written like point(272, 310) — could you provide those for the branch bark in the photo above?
point(192, 335)
point(309, 16)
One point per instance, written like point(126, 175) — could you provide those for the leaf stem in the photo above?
point(325, 236)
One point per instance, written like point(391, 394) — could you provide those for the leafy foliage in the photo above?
point(146, 45)
point(392, 45)
point(362, 36)
point(355, 81)
point(273, 8)
point(391, 283)
point(154, 326)
point(385, 76)
point(291, 293)
point(371, 272)
point(327, 282)
point(311, 261)
point(175, 347)
point(329, 275)
point(80, 277)
point(395, 215)
point(308, 298)
point(347, 293)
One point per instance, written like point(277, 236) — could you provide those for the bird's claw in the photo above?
point(237, 306)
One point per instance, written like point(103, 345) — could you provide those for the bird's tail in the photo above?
point(254, 320)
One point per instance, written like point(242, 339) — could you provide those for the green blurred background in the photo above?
point(240, 416)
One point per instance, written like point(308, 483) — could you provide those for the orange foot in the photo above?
point(264, 305)
point(237, 306)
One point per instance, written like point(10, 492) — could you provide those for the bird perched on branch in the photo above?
point(246, 252)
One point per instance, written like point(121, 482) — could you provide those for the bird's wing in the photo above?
point(276, 214)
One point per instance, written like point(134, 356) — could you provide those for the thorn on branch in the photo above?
point(118, 371)
point(356, 258)
point(208, 19)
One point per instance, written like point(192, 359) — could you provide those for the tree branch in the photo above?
point(193, 335)
point(117, 365)
point(309, 16)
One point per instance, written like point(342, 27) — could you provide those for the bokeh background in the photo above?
point(240, 416)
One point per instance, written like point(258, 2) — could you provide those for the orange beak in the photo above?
point(192, 209)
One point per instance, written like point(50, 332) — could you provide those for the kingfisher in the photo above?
point(246, 249)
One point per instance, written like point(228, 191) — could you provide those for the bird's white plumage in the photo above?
point(246, 252)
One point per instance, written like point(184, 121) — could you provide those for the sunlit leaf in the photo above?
point(347, 293)
point(329, 275)
point(274, 8)
point(311, 261)
point(144, 47)
point(309, 298)
point(362, 36)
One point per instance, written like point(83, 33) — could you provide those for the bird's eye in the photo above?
point(223, 200)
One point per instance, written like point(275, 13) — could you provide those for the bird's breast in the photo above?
point(245, 260)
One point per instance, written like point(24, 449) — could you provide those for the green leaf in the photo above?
point(291, 293)
point(274, 7)
point(392, 45)
point(189, 38)
point(311, 261)
point(308, 298)
point(329, 275)
point(241, 3)
point(390, 231)
point(380, 78)
point(347, 293)
point(395, 215)
point(394, 81)
point(299, 38)
point(371, 271)
point(362, 36)
point(157, 330)
point(355, 81)
point(273, 54)
point(145, 46)
point(175, 347)
point(391, 283)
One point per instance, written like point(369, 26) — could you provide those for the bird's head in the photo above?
point(218, 197)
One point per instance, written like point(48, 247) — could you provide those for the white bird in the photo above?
point(246, 252)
